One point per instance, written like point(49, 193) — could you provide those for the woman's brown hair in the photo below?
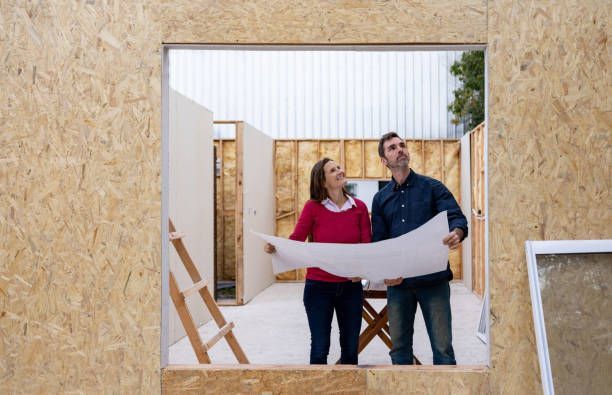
point(317, 181)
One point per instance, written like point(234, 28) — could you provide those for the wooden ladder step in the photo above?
point(224, 331)
point(194, 289)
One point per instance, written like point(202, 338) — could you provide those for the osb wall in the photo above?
point(80, 160)
point(359, 159)
point(549, 145)
point(231, 379)
point(80, 187)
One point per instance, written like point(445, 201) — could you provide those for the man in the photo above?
point(404, 204)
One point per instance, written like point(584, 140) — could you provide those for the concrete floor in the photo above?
point(272, 329)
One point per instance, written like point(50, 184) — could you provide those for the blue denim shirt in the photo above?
point(398, 209)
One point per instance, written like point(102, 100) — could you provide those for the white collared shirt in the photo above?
point(331, 206)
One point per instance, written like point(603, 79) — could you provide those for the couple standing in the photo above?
point(333, 216)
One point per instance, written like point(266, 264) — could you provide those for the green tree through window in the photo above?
point(468, 106)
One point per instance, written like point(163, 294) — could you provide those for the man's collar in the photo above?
point(409, 181)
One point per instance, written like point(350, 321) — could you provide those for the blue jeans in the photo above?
point(321, 298)
point(435, 304)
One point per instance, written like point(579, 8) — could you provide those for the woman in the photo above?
point(332, 216)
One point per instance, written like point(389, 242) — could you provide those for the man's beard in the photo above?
point(399, 163)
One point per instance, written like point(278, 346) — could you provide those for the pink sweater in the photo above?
point(351, 226)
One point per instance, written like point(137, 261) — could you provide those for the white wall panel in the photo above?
point(323, 94)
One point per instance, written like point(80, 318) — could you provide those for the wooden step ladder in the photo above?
point(200, 287)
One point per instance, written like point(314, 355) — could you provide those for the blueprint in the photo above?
point(416, 253)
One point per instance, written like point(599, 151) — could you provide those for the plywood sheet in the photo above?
point(548, 136)
point(353, 158)
point(373, 165)
point(94, 162)
point(415, 149)
point(308, 155)
point(229, 248)
point(452, 168)
point(285, 172)
point(284, 227)
point(264, 380)
point(429, 380)
point(330, 149)
point(229, 174)
point(326, 22)
point(433, 160)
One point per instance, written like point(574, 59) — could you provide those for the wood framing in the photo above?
point(81, 153)
point(478, 209)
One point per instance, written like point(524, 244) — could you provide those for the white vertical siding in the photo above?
point(323, 94)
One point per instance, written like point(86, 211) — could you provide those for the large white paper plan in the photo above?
point(416, 253)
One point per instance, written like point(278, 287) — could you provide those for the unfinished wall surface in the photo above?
point(225, 210)
point(80, 167)
point(294, 160)
point(80, 188)
point(549, 138)
point(325, 380)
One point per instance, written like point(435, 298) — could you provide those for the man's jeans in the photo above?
point(320, 300)
point(435, 305)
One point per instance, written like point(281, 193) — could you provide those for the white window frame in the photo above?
point(553, 247)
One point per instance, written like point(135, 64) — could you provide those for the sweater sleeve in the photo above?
point(365, 225)
point(304, 225)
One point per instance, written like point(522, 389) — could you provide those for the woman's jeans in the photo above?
point(435, 305)
point(321, 298)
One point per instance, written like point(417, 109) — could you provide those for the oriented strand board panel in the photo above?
point(80, 188)
point(549, 138)
point(353, 158)
point(451, 164)
point(284, 162)
point(373, 165)
point(228, 201)
point(228, 167)
point(284, 227)
point(285, 173)
point(433, 159)
point(461, 380)
point(576, 294)
point(254, 379)
point(258, 209)
point(325, 22)
point(229, 248)
point(325, 380)
point(307, 156)
point(81, 157)
point(191, 199)
point(330, 149)
point(415, 150)
point(452, 168)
